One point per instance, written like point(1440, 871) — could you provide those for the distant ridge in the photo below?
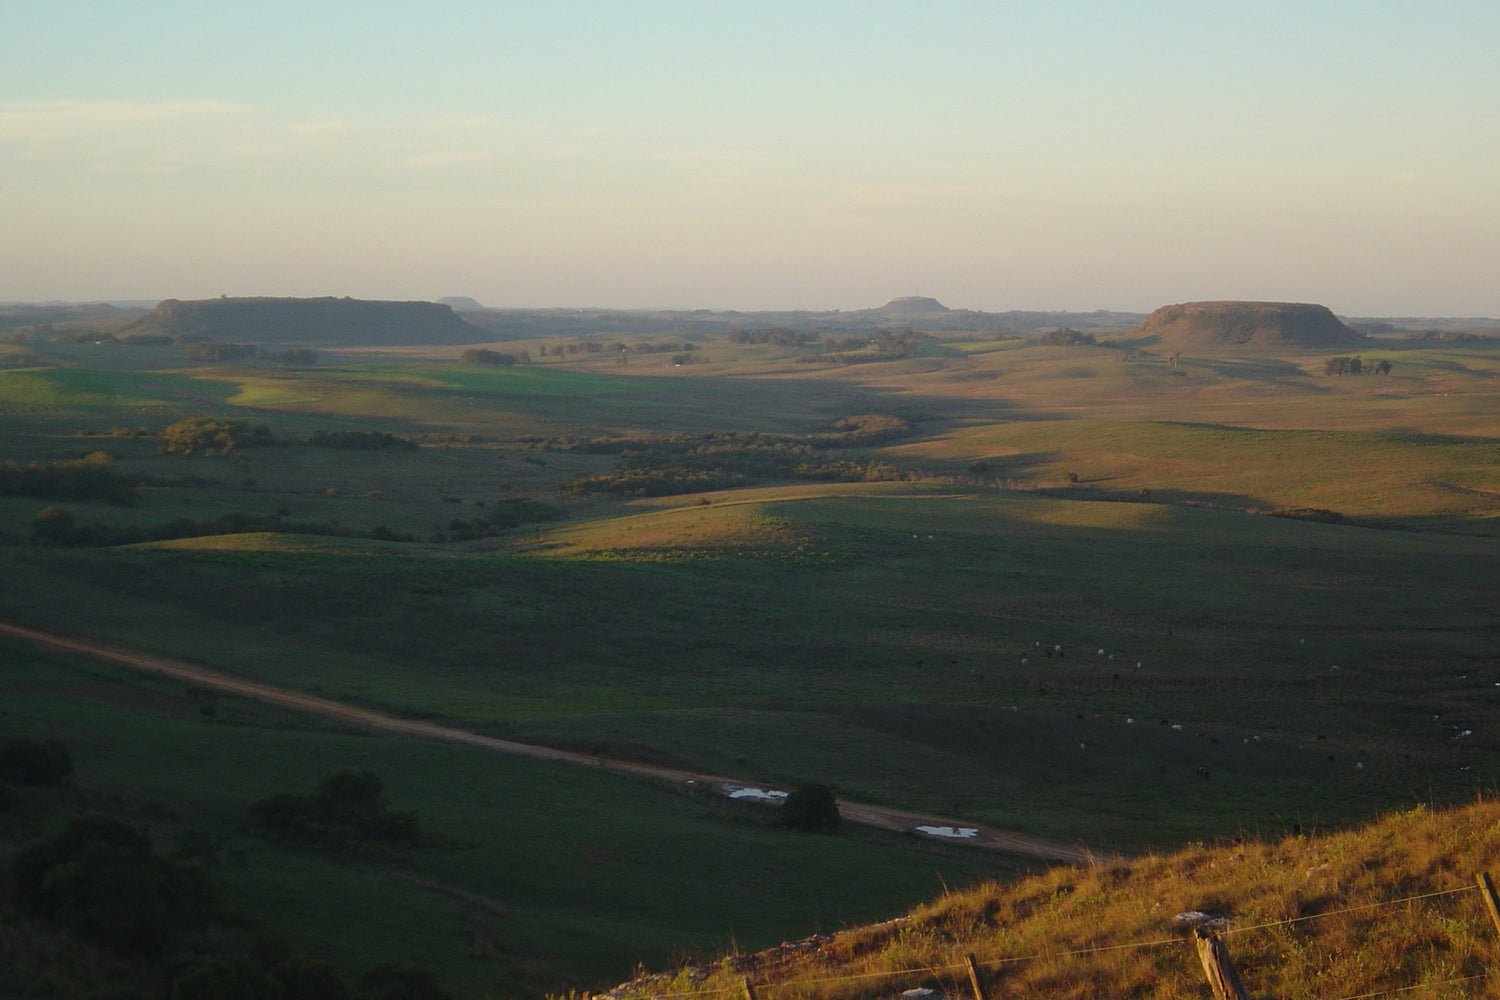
point(309, 321)
point(461, 303)
point(1230, 322)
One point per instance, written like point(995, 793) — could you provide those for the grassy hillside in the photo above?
point(1383, 909)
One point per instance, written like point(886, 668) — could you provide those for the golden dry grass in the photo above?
point(1392, 906)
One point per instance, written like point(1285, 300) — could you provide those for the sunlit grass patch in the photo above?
point(93, 387)
point(702, 531)
point(1358, 473)
point(266, 541)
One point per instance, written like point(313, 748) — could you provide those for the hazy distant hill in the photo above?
point(914, 305)
point(310, 321)
point(461, 303)
point(1297, 323)
point(916, 312)
point(22, 314)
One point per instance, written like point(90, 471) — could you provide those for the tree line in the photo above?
point(1355, 366)
point(667, 465)
point(92, 477)
point(196, 346)
point(616, 347)
point(874, 345)
point(484, 356)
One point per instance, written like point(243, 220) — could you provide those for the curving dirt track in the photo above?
point(854, 812)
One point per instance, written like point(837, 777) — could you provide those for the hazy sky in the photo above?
point(1048, 154)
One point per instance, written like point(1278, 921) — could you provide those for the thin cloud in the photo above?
point(321, 127)
point(443, 161)
point(71, 119)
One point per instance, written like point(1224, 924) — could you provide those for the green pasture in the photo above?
point(1357, 473)
point(1075, 619)
point(577, 870)
point(850, 623)
point(95, 388)
point(423, 397)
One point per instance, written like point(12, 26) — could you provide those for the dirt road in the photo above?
point(936, 827)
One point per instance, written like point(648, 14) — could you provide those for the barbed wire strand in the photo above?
point(1079, 952)
point(1418, 986)
point(1351, 909)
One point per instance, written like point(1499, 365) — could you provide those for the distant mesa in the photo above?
point(1200, 323)
point(461, 304)
point(309, 321)
point(913, 305)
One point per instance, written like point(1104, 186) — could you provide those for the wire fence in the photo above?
point(745, 988)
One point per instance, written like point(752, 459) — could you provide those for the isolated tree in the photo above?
point(812, 808)
point(348, 808)
point(351, 798)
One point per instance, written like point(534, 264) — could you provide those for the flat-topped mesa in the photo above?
point(310, 321)
point(1263, 323)
point(914, 304)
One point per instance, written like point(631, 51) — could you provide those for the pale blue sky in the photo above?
point(1060, 155)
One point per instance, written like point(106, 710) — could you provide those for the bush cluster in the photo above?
point(360, 440)
point(100, 879)
point(346, 810)
point(501, 516)
point(1067, 337)
point(91, 477)
point(780, 336)
point(214, 350)
point(211, 436)
point(1355, 366)
point(671, 465)
point(875, 345)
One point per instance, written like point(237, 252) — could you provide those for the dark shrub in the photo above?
point(33, 762)
point(397, 982)
point(811, 808)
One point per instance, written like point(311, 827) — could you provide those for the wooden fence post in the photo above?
point(1491, 903)
point(749, 989)
point(974, 980)
point(1222, 978)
